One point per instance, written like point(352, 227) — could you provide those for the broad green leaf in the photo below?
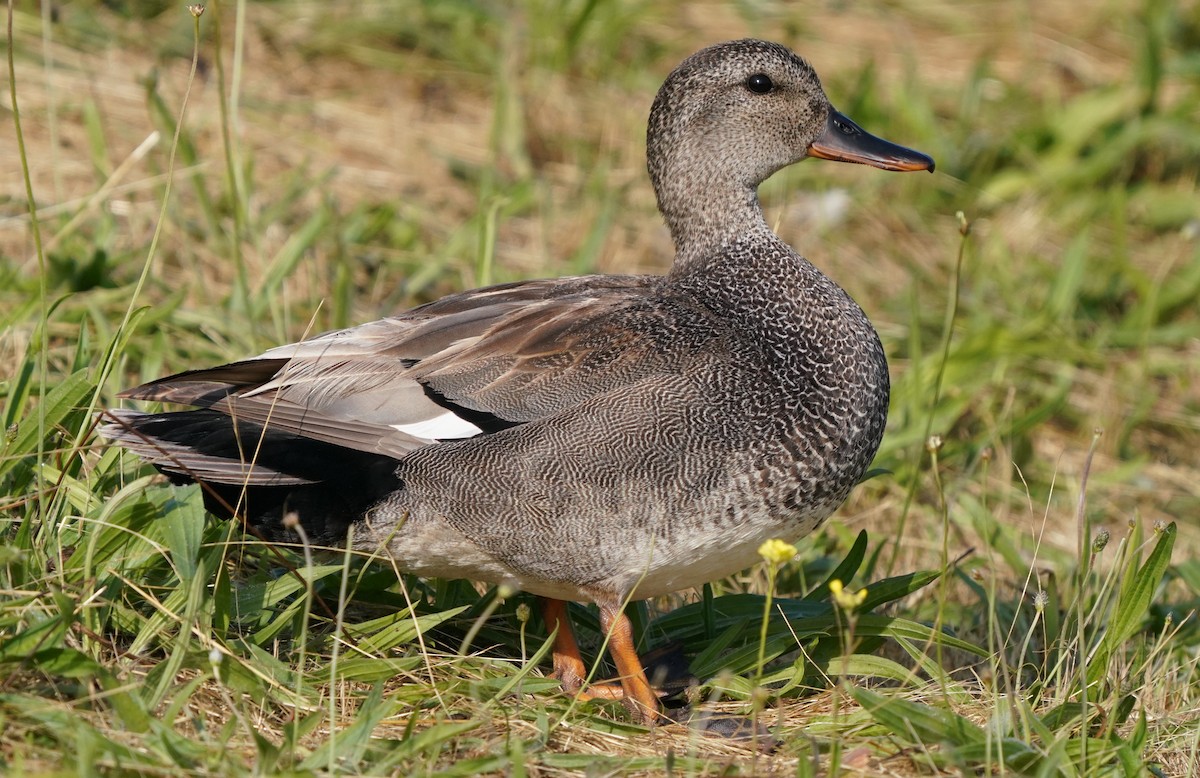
point(1137, 738)
point(712, 659)
point(845, 571)
point(117, 536)
point(886, 627)
point(183, 522)
point(258, 596)
point(919, 723)
point(743, 610)
point(123, 698)
point(64, 398)
point(866, 666)
point(44, 634)
point(372, 669)
point(1013, 754)
point(396, 629)
point(65, 662)
point(896, 588)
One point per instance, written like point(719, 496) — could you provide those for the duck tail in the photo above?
point(267, 479)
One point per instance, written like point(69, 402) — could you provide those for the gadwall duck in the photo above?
point(599, 438)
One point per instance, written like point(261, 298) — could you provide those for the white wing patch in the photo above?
point(447, 426)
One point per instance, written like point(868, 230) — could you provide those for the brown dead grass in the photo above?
point(386, 131)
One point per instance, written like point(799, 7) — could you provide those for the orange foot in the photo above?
point(570, 670)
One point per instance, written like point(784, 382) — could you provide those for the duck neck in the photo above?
point(730, 212)
point(706, 196)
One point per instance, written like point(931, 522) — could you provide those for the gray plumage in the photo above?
point(595, 438)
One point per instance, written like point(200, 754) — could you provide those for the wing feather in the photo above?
point(468, 363)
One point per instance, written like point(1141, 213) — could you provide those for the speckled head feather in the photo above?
point(712, 140)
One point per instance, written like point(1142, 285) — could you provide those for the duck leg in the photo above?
point(570, 669)
point(638, 694)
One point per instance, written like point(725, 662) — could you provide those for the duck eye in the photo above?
point(759, 83)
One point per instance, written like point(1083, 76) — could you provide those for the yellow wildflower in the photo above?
point(846, 600)
point(776, 551)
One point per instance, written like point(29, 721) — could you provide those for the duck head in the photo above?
point(731, 115)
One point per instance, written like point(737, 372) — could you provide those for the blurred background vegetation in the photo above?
point(338, 162)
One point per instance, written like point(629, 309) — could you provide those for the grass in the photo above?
point(1031, 583)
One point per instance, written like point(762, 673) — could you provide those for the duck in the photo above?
point(598, 439)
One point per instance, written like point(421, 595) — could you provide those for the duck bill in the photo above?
point(845, 141)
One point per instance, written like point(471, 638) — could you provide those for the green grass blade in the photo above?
point(1133, 602)
point(918, 723)
point(845, 571)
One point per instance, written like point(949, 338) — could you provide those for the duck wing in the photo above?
point(471, 363)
